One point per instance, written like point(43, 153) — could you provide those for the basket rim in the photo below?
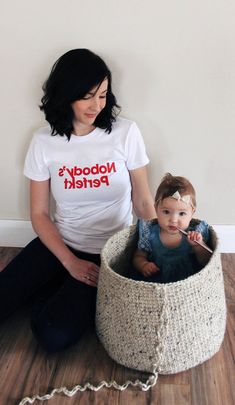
point(156, 285)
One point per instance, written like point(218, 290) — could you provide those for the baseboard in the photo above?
point(226, 235)
point(18, 233)
point(15, 233)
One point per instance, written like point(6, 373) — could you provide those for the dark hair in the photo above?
point(72, 76)
point(170, 184)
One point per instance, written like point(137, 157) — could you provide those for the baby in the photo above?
point(164, 254)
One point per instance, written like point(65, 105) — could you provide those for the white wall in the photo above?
point(173, 66)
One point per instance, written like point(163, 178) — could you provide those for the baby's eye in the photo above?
point(182, 213)
point(166, 212)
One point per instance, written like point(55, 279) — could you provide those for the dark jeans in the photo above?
point(62, 307)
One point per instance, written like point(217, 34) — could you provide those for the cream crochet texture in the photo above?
point(174, 326)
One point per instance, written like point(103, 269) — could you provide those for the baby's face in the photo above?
point(173, 214)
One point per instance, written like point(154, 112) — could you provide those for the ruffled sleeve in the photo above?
point(144, 229)
point(203, 228)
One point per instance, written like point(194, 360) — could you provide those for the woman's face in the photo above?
point(87, 109)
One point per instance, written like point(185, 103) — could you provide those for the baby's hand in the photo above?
point(149, 268)
point(194, 236)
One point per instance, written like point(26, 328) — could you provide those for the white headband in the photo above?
point(185, 198)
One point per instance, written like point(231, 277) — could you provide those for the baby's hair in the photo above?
point(170, 184)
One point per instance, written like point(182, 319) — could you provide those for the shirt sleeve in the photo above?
point(143, 227)
point(135, 149)
point(203, 228)
point(35, 167)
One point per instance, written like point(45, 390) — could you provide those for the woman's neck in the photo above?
point(81, 129)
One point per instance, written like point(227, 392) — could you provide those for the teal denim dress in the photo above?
point(175, 263)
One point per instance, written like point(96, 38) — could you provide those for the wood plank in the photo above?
point(228, 264)
point(171, 394)
point(6, 255)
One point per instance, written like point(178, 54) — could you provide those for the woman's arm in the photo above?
point(142, 199)
point(50, 237)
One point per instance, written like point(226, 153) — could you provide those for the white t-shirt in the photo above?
point(90, 180)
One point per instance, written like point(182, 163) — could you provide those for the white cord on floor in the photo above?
point(112, 384)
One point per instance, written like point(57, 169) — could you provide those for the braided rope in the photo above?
point(152, 380)
point(113, 384)
point(88, 386)
point(160, 328)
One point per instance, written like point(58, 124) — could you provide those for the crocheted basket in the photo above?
point(173, 326)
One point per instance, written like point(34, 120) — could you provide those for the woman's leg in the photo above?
point(66, 315)
point(30, 270)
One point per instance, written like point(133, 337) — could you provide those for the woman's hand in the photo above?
point(83, 270)
point(149, 268)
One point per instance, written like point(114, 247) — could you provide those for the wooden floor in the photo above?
point(26, 370)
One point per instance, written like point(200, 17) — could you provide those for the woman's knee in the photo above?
point(55, 336)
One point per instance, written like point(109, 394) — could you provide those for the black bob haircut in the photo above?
point(72, 76)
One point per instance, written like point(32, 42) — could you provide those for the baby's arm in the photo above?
point(202, 254)
point(142, 264)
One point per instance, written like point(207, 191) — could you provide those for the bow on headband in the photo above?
point(185, 198)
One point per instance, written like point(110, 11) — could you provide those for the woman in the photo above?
point(94, 164)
